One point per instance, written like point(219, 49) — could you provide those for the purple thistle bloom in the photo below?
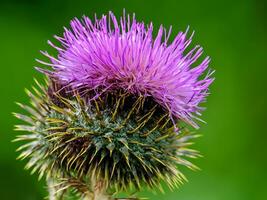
point(108, 55)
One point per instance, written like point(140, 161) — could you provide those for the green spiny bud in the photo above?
point(117, 140)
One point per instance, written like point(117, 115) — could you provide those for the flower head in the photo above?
point(110, 55)
point(106, 119)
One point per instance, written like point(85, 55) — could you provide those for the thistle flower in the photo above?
point(109, 117)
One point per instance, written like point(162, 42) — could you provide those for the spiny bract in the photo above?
point(121, 139)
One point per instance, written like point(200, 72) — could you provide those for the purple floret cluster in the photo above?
point(110, 54)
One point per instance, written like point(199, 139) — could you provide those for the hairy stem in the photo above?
point(99, 190)
point(51, 189)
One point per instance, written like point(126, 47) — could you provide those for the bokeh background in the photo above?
point(233, 33)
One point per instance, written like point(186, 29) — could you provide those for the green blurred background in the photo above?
point(233, 33)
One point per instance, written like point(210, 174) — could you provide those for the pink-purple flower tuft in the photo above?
point(112, 55)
